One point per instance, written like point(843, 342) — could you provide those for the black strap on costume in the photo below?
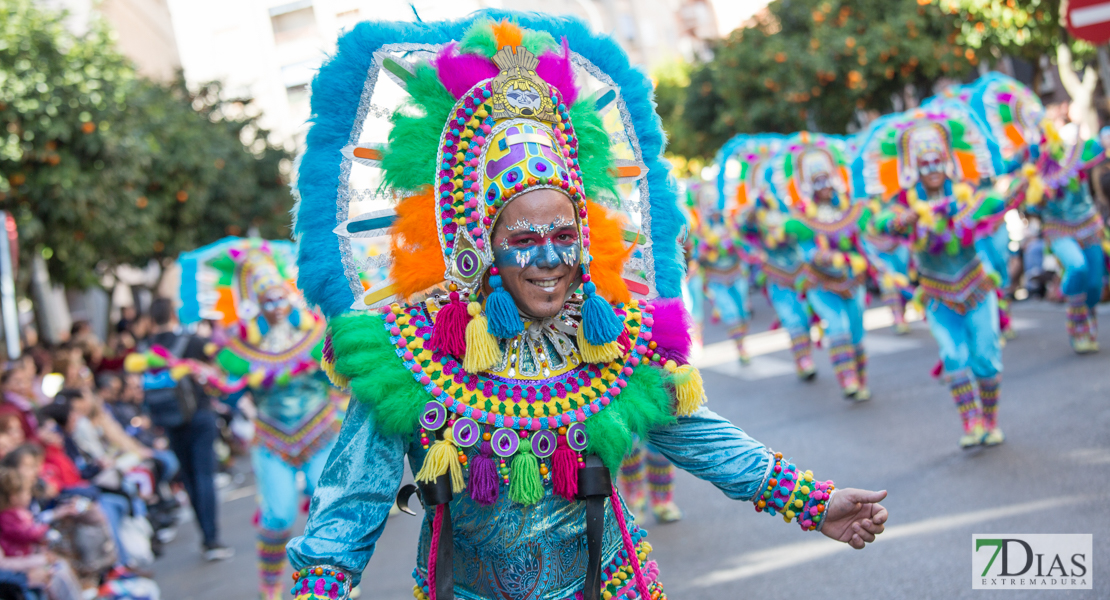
point(438, 495)
point(595, 484)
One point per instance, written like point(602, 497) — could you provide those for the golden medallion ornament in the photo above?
point(517, 90)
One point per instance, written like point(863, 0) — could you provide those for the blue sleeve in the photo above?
point(707, 446)
point(353, 498)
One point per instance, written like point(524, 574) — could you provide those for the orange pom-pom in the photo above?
point(507, 34)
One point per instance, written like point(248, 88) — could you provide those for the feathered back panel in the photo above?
point(886, 165)
point(788, 167)
point(362, 156)
point(211, 288)
point(750, 152)
point(1012, 112)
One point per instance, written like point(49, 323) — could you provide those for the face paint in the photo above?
point(544, 246)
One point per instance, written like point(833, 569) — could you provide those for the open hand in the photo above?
point(855, 516)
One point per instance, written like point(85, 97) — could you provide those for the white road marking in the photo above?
point(756, 563)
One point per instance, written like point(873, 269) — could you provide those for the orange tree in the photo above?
point(100, 167)
point(812, 64)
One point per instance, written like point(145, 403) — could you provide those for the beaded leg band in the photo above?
point(963, 393)
point(842, 352)
point(989, 391)
point(1077, 317)
point(794, 495)
point(271, 557)
point(660, 475)
point(802, 348)
point(632, 476)
point(861, 364)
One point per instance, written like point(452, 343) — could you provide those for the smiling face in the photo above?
point(930, 166)
point(537, 251)
point(822, 188)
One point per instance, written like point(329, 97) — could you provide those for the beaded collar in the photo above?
point(845, 225)
point(566, 397)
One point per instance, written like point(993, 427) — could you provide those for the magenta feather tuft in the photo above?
point(558, 71)
point(461, 72)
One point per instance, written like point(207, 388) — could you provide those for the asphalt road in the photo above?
point(1049, 477)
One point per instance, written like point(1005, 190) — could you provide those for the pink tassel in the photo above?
point(564, 470)
point(433, 550)
point(967, 236)
point(1003, 319)
point(460, 72)
point(624, 341)
point(305, 504)
point(449, 331)
point(937, 369)
point(484, 486)
point(629, 547)
point(558, 71)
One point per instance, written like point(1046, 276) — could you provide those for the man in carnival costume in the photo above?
point(810, 174)
point(269, 347)
point(721, 265)
point(941, 156)
point(1058, 193)
point(758, 218)
point(513, 394)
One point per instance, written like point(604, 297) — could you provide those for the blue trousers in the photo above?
point(1084, 269)
point(970, 340)
point(842, 316)
point(277, 484)
point(730, 300)
point(790, 308)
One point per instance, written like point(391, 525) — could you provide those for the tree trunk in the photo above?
point(1082, 92)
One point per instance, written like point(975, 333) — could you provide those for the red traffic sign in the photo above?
point(1089, 20)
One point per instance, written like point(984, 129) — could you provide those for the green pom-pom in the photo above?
point(845, 243)
point(952, 246)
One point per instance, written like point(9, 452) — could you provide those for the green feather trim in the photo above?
point(409, 162)
point(364, 354)
point(595, 156)
point(232, 363)
point(645, 404)
point(479, 39)
point(538, 42)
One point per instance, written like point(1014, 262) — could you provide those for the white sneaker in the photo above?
point(217, 553)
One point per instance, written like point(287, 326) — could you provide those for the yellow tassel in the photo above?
point(689, 390)
point(482, 349)
point(443, 457)
point(962, 192)
point(858, 263)
point(255, 378)
point(838, 260)
point(307, 321)
point(337, 379)
point(597, 354)
point(254, 334)
point(135, 363)
point(178, 372)
point(1034, 192)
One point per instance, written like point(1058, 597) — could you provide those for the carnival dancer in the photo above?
point(757, 217)
point(269, 346)
point(810, 174)
point(647, 476)
point(1073, 229)
point(722, 267)
point(934, 161)
point(513, 394)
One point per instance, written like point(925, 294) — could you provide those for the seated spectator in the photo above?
point(15, 383)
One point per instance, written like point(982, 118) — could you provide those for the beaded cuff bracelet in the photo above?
point(794, 495)
point(323, 582)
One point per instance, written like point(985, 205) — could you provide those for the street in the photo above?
point(1048, 477)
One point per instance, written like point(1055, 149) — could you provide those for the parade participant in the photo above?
point(646, 462)
point(758, 217)
point(515, 389)
point(810, 174)
point(268, 347)
point(934, 161)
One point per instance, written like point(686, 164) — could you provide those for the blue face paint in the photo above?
point(543, 246)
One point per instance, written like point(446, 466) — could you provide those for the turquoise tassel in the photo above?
point(504, 320)
point(263, 325)
point(600, 324)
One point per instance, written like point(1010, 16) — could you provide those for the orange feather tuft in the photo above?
point(414, 244)
point(609, 253)
point(507, 34)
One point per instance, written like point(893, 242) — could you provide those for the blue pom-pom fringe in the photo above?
point(504, 320)
point(600, 324)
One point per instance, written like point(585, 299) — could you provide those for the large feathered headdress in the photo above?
point(742, 163)
point(887, 160)
point(801, 157)
point(424, 132)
